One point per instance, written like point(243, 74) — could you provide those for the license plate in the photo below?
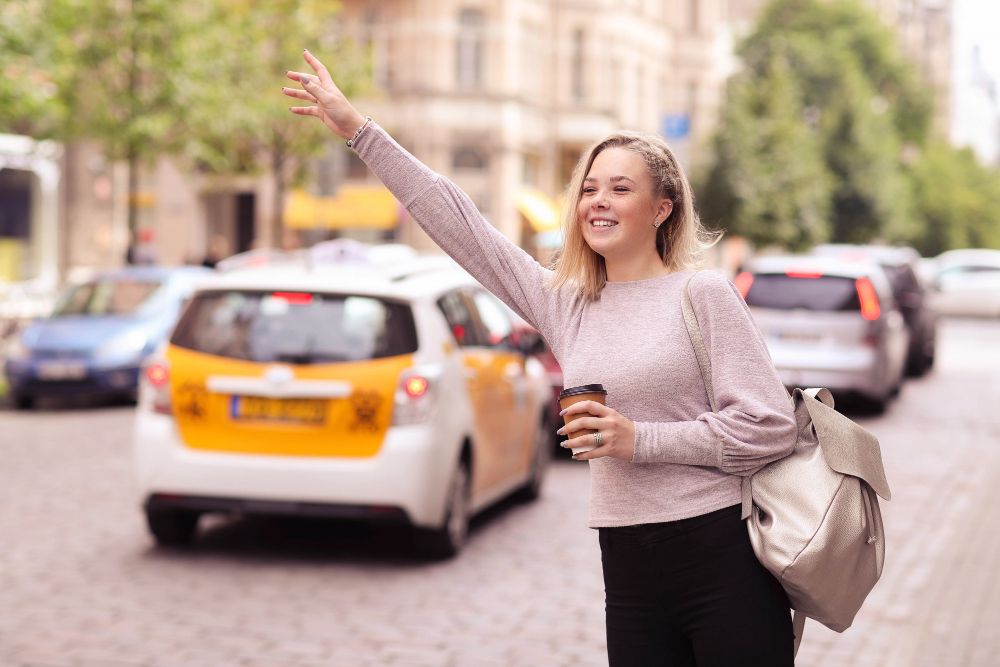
point(790, 337)
point(61, 370)
point(290, 410)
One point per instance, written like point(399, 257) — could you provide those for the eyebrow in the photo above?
point(613, 179)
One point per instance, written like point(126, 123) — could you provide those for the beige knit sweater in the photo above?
point(688, 460)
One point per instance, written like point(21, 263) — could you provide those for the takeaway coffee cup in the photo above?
point(584, 392)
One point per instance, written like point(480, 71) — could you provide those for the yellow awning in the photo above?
point(354, 207)
point(539, 209)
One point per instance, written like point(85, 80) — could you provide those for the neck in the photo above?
point(650, 266)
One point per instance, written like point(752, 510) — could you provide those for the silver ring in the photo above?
point(597, 439)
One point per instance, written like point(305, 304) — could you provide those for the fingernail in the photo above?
point(559, 432)
point(564, 444)
point(561, 413)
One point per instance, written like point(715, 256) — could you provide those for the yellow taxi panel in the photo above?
point(341, 409)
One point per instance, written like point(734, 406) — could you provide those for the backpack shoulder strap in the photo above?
point(697, 342)
point(705, 364)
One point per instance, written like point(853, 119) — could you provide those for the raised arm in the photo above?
point(440, 207)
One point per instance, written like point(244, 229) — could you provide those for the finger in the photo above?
point(585, 440)
point(595, 453)
point(321, 70)
point(311, 87)
point(305, 111)
point(587, 407)
point(298, 94)
point(592, 423)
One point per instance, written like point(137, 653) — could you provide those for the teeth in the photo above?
point(603, 223)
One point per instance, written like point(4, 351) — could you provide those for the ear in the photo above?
point(664, 210)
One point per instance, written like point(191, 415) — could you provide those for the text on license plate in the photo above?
point(295, 410)
point(62, 370)
point(792, 337)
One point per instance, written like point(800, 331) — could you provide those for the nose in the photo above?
point(599, 201)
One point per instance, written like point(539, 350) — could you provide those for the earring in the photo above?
point(656, 224)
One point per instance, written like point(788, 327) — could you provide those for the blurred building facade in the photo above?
point(504, 95)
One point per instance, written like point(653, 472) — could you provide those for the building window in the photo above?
point(469, 49)
point(466, 158)
point(578, 90)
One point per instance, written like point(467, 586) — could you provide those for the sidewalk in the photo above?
point(960, 620)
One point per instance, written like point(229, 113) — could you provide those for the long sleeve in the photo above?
point(754, 424)
point(451, 219)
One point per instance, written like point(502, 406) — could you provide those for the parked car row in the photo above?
point(853, 318)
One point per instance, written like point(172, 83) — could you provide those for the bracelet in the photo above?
point(354, 139)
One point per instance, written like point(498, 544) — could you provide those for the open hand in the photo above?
point(329, 104)
point(617, 431)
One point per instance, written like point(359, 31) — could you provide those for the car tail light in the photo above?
point(870, 309)
point(155, 387)
point(743, 283)
point(415, 395)
point(804, 274)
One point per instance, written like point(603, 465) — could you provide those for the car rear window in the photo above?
point(105, 297)
point(295, 327)
point(785, 292)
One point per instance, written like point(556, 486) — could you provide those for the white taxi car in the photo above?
point(355, 391)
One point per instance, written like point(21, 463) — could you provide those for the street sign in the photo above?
point(675, 125)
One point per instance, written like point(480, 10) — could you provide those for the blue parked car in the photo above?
point(98, 334)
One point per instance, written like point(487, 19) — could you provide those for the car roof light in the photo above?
point(743, 282)
point(791, 273)
point(870, 309)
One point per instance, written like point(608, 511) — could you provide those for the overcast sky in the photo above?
point(975, 115)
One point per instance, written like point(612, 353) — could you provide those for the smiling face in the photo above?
point(618, 206)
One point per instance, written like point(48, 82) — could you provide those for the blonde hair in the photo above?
point(680, 240)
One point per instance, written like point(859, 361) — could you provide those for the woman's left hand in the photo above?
point(617, 431)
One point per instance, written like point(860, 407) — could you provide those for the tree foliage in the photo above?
point(768, 182)
point(849, 105)
point(958, 198)
point(29, 100)
point(193, 78)
point(240, 119)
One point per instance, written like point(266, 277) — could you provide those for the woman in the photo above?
point(683, 586)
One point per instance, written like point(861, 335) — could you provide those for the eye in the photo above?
point(588, 190)
point(621, 188)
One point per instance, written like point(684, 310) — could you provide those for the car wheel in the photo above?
point(532, 490)
point(172, 528)
point(22, 402)
point(448, 540)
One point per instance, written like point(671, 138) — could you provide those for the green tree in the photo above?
point(119, 70)
point(855, 88)
point(768, 182)
point(240, 121)
point(29, 101)
point(958, 200)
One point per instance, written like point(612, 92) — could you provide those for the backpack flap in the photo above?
point(847, 447)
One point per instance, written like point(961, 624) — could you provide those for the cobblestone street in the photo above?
point(82, 585)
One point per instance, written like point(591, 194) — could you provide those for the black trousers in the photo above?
point(692, 592)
